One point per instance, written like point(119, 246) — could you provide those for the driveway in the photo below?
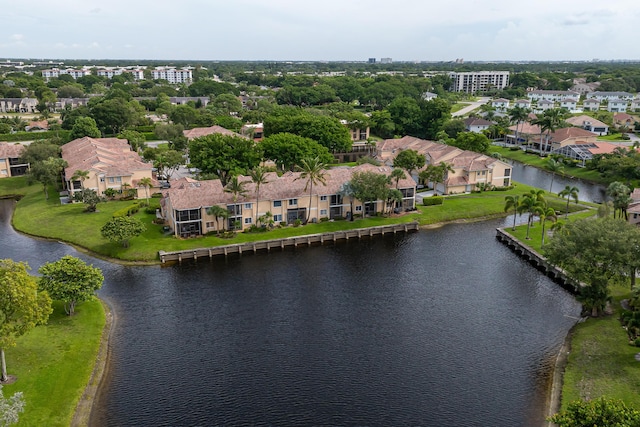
point(469, 108)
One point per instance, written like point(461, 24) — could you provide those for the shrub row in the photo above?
point(127, 211)
point(431, 201)
point(29, 136)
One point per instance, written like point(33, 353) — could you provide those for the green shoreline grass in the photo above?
point(69, 223)
point(53, 364)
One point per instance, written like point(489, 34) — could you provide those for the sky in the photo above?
point(328, 30)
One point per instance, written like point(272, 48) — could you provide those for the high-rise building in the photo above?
point(479, 81)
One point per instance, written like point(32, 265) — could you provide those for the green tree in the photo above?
point(174, 133)
point(347, 190)
point(518, 115)
point(47, 172)
point(224, 104)
point(435, 113)
point(80, 175)
point(113, 115)
point(549, 122)
point(592, 252)
point(545, 213)
point(218, 212)
point(598, 412)
point(531, 203)
point(472, 141)
point(183, 115)
point(236, 188)
point(38, 151)
point(409, 160)
point(287, 150)
point(70, 280)
point(554, 166)
point(314, 172)
point(84, 126)
point(146, 184)
point(368, 187)
point(397, 174)
point(512, 202)
point(21, 305)
point(89, 197)
point(259, 177)
point(121, 229)
point(136, 140)
point(569, 192)
point(620, 194)
point(394, 196)
point(224, 155)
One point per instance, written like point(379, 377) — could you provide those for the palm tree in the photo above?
point(313, 170)
point(621, 199)
point(530, 204)
point(80, 175)
point(259, 177)
point(346, 190)
point(545, 213)
point(512, 202)
point(236, 187)
point(554, 166)
point(146, 183)
point(394, 196)
point(518, 115)
point(397, 174)
point(550, 121)
point(218, 212)
point(570, 193)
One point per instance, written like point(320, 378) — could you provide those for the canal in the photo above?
point(443, 327)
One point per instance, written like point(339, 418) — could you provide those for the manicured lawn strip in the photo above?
point(459, 106)
point(601, 362)
point(34, 215)
point(615, 137)
point(541, 162)
point(53, 364)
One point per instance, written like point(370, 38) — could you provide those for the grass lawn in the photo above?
point(37, 216)
point(601, 362)
point(459, 106)
point(614, 137)
point(541, 162)
point(53, 364)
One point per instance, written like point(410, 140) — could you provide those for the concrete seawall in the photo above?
point(537, 260)
point(281, 244)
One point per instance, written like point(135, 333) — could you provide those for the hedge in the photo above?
point(127, 211)
point(30, 136)
point(431, 201)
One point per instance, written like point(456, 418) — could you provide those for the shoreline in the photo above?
point(84, 408)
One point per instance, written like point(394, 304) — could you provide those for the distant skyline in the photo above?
point(346, 30)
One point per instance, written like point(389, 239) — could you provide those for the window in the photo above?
point(3, 171)
point(277, 203)
point(277, 218)
point(293, 202)
point(507, 172)
point(358, 208)
point(323, 198)
point(210, 224)
point(248, 220)
point(102, 179)
point(247, 205)
point(323, 212)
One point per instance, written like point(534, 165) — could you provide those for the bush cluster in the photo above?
point(431, 201)
point(128, 211)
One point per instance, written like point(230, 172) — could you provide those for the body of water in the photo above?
point(443, 327)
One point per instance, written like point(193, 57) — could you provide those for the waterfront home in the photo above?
point(110, 163)
point(570, 136)
point(470, 169)
point(589, 123)
point(10, 163)
point(584, 151)
point(282, 199)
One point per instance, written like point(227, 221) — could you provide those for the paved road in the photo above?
point(466, 110)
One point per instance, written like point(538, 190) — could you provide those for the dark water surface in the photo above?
point(443, 327)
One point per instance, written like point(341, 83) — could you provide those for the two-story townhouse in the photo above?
point(522, 103)
point(10, 162)
point(570, 104)
point(476, 125)
point(610, 96)
point(552, 95)
point(110, 163)
point(591, 105)
point(501, 105)
point(545, 105)
point(186, 206)
point(635, 105)
point(617, 105)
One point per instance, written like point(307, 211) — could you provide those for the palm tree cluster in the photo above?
point(534, 204)
point(550, 121)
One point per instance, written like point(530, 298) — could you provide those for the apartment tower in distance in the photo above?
point(479, 81)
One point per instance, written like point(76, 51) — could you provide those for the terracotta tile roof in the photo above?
point(108, 156)
point(603, 148)
point(198, 132)
point(10, 151)
point(635, 196)
point(526, 128)
point(580, 121)
point(566, 133)
point(186, 193)
point(623, 117)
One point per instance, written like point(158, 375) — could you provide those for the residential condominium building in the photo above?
point(172, 75)
point(10, 163)
point(479, 81)
point(56, 72)
point(110, 163)
point(284, 199)
point(552, 95)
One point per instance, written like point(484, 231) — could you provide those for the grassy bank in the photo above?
point(601, 362)
point(48, 218)
point(53, 364)
point(541, 162)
